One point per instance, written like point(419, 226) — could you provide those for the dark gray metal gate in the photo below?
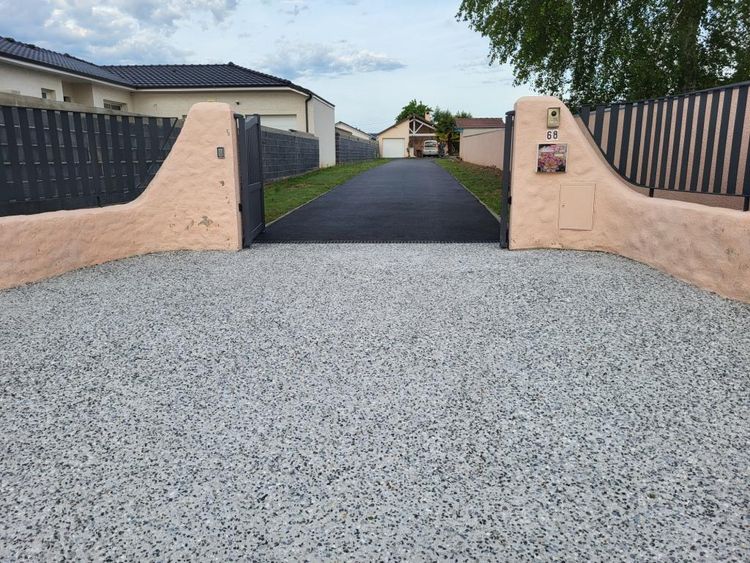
point(505, 193)
point(251, 178)
point(694, 142)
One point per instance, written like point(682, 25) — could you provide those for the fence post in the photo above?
point(505, 197)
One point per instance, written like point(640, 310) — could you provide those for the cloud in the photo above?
point(146, 47)
point(293, 7)
point(118, 31)
point(315, 59)
point(486, 72)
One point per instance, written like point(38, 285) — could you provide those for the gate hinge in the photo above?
point(240, 206)
point(510, 200)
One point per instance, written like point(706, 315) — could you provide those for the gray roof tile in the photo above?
point(139, 77)
point(62, 61)
point(194, 76)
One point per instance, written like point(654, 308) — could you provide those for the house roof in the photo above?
point(479, 122)
point(414, 117)
point(194, 76)
point(144, 77)
point(423, 121)
point(352, 127)
point(13, 49)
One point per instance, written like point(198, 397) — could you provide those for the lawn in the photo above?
point(483, 181)
point(284, 195)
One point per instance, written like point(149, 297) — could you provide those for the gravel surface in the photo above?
point(373, 402)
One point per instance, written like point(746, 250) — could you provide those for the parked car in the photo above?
point(430, 148)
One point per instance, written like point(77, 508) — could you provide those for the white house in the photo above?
point(166, 90)
point(405, 138)
point(353, 131)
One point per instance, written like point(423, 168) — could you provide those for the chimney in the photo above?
point(428, 116)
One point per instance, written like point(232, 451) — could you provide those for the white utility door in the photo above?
point(394, 148)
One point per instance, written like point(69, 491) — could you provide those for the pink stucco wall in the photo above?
point(191, 204)
point(483, 147)
point(589, 207)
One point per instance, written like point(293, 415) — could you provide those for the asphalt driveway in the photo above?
point(373, 402)
point(409, 200)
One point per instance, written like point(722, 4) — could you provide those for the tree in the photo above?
point(598, 51)
point(462, 114)
point(445, 127)
point(414, 107)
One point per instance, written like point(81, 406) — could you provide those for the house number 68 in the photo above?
point(552, 134)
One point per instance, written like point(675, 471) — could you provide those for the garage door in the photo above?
point(393, 148)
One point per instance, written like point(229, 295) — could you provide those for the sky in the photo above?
point(367, 57)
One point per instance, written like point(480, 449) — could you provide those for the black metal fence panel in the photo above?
point(252, 204)
point(52, 159)
point(288, 153)
point(697, 142)
point(352, 149)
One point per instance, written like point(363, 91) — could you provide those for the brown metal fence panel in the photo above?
point(697, 142)
point(53, 159)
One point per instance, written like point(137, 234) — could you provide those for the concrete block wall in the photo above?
point(288, 153)
point(351, 149)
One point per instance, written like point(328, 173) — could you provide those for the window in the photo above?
point(117, 106)
point(48, 94)
point(66, 98)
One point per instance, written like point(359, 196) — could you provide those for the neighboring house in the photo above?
point(166, 90)
point(353, 131)
point(405, 138)
point(481, 140)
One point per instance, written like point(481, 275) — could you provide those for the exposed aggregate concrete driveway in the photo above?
point(373, 402)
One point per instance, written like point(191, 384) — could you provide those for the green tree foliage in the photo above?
point(445, 127)
point(597, 51)
point(462, 114)
point(414, 107)
point(444, 121)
